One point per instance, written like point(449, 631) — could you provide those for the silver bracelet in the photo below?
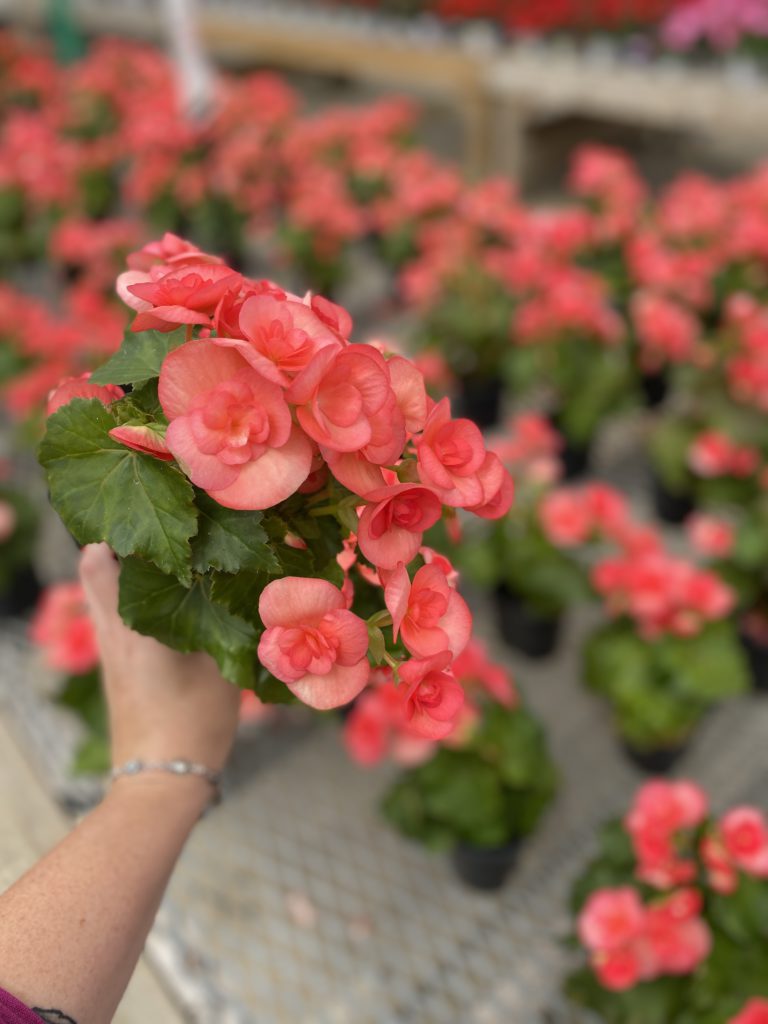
point(176, 767)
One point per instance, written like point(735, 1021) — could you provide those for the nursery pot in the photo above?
point(655, 387)
point(22, 594)
point(479, 399)
point(485, 869)
point(757, 656)
point(655, 762)
point(670, 506)
point(523, 627)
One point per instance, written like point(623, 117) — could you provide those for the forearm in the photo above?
point(72, 929)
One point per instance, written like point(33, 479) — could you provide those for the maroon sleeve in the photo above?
point(14, 1012)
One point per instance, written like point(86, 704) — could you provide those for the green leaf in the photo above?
point(83, 695)
point(106, 492)
point(708, 667)
point(139, 358)
point(240, 593)
point(230, 540)
point(93, 756)
point(271, 690)
point(187, 620)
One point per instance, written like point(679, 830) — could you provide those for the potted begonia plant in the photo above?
point(670, 915)
point(484, 790)
point(669, 652)
point(239, 454)
point(19, 586)
point(569, 340)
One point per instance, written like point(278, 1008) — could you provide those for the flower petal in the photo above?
point(296, 601)
point(341, 685)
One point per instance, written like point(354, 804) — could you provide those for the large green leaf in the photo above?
point(139, 358)
point(239, 593)
point(106, 492)
point(229, 540)
point(187, 620)
point(709, 667)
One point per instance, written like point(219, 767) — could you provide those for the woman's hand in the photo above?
point(162, 705)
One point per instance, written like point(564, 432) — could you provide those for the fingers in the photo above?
point(99, 574)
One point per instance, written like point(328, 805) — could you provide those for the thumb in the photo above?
point(99, 575)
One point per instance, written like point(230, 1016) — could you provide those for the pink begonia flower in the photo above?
point(170, 250)
point(498, 489)
point(143, 438)
point(565, 518)
point(410, 392)
point(80, 387)
point(608, 509)
point(667, 332)
point(230, 429)
point(377, 727)
point(8, 519)
point(278, 338)
point(62, 627)
point(226, 317)
point(434, 698)
point(363, 471)
point(710, 535)
point(714, 454)
point(744, 834)
point(658, 813)
point(619, 969)
point(312, 642)
point(166, 298)
point(678, 940)
point(339, 395)
point(722, 874)
point(450, 454)
point(392, 525)
point(754, 1012)
point(473, 668)
point(611, 918)
point(253, 710)
point(333, 316)
point(428, 613)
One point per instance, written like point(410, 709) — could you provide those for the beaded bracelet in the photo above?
point(176, 767)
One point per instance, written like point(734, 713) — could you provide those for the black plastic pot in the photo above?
point(654, 762)
point(757, 656)
point(485, 869)
point(22, 594)
point(575, 459)
point(655, 387)
point(670, 506)
point(523, 627)
point(479, 399)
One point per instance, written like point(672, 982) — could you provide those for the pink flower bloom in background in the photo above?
point(428, 613)
point(744, 833)
point(230, 428)
point(312, 642)
point(253, 710)
point(666, 331)
point(434, 699)
point(393, 523)
point(80, 387)
point(754, 1012)
point(611, 918)
point(710, 535)
point(475, 671)
point(720, 23)
point(660, 812)
point(530, 448)
point(565, 518)
point(62, 627)
point(8, 519)
point(678, 939)
point(722, 874)
point(714, 454)
point(377, 726)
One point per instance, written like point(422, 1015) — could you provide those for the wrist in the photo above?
point(182, 796)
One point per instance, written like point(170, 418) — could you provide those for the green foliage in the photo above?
point(16, 550)
point(104, 491)
point(486, 794)
point(229, 540)
point(139, 358)
point(187, 618)
point(516, 554)
point(660, 689)
point(83, 695)
point(668, 449)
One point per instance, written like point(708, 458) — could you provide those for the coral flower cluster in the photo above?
point(266, 400)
